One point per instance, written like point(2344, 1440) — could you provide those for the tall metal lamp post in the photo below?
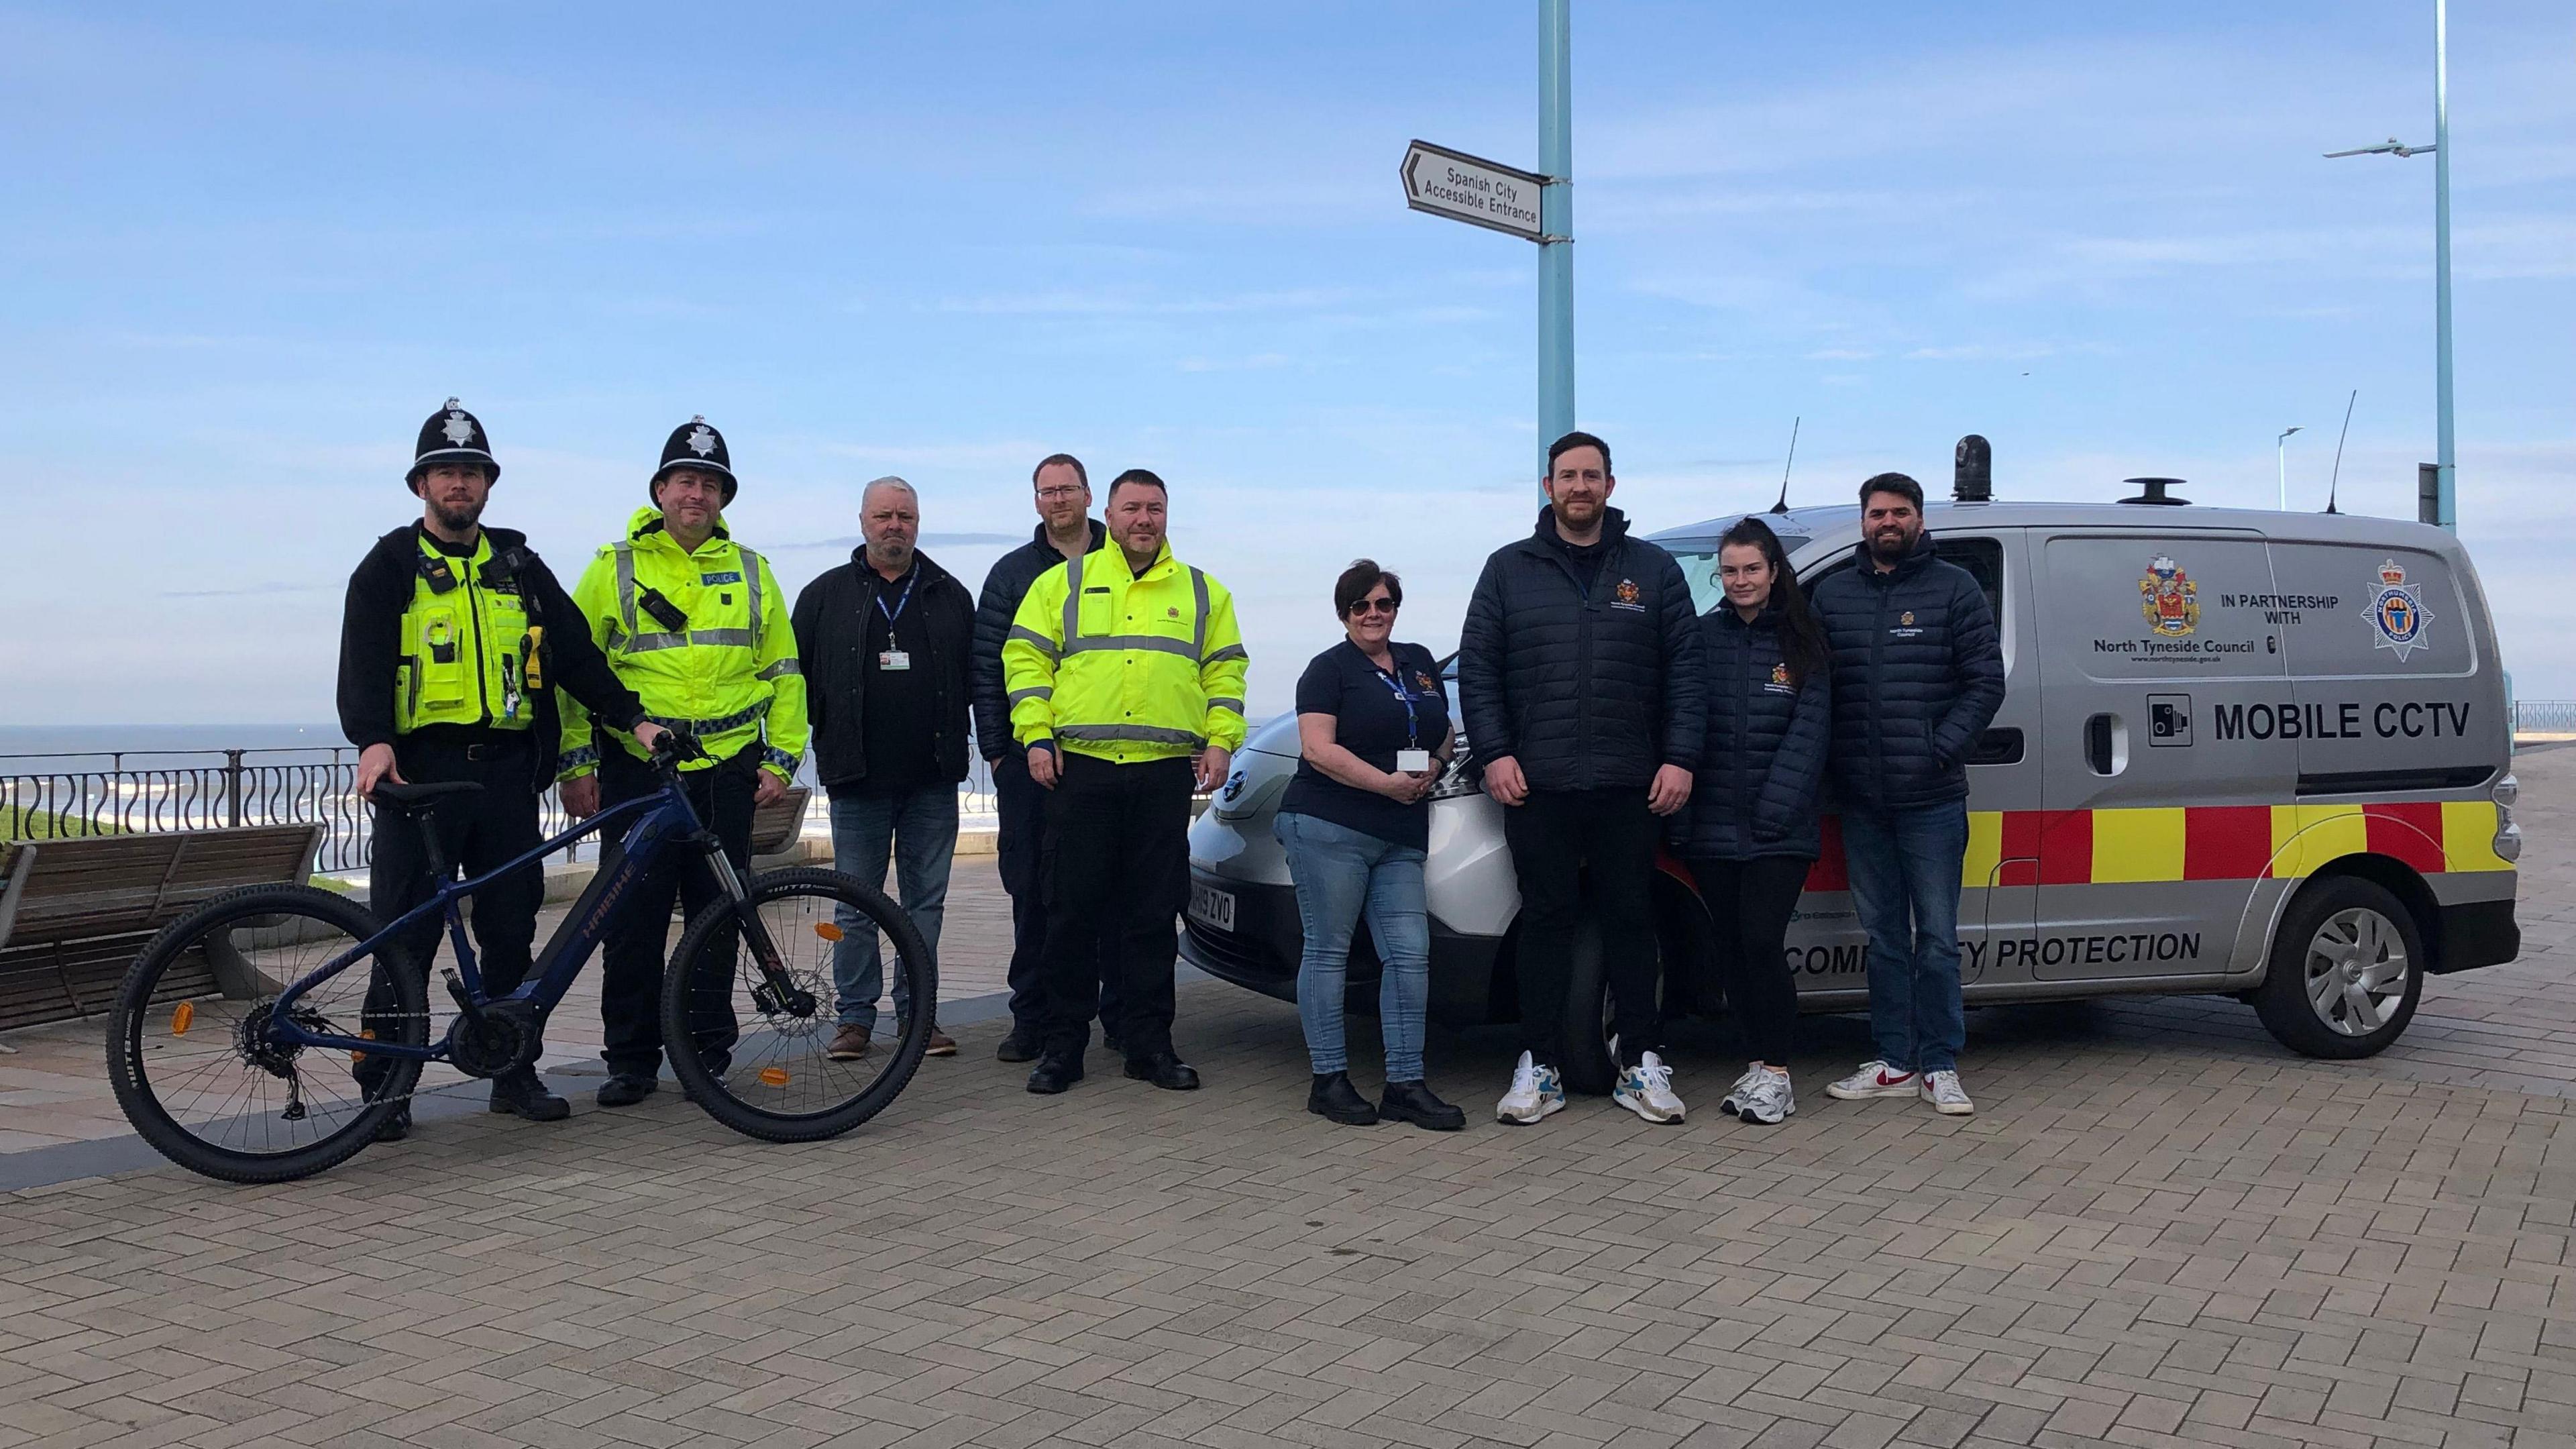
point(2281, 461)
point(2446, 506)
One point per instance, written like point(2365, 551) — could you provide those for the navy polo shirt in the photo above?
point(1369, 721)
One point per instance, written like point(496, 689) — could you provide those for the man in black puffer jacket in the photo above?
point(1579, 680)
point(1065, 530)
point(1918, 675)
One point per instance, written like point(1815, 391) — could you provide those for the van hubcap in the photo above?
point(2357, 971)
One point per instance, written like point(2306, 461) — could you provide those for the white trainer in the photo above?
point(1947, 1097)
point(1536, 1092)
point(1874, 1079)
point(1763, 1097)
point(1647, 1090)
point(1736, 1094)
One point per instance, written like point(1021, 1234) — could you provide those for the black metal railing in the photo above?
point(65, 796)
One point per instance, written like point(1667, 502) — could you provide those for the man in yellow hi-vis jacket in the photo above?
point(695, 624)
point(1125, 676)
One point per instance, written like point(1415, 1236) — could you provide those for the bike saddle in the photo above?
point(413, 799)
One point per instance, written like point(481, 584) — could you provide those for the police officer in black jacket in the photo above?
point(1918, 675)
point(1580, 680)
point(1065, 530)
point(452, 643)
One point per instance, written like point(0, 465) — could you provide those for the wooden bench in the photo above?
point(776, 826)
point(75, 913)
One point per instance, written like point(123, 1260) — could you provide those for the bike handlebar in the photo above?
point(676, 747)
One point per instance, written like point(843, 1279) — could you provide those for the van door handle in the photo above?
point(2106, 744)
point(2000, 746)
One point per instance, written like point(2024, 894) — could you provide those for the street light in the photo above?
point(2281, 460)
point(2446, 489)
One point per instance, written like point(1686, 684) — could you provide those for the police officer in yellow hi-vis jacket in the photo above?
point(449, 674)
point(696, 625)
point(1125, 677)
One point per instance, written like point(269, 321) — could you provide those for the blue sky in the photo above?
point(250, 247)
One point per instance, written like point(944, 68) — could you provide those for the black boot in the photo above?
point(624, 1090)
point(1020, 1046)
point(1412, 1102)
point(1333, 1096)
point(396, 1127)
point(520, 1094)
point(1164, 1069)
point(1055, 1071)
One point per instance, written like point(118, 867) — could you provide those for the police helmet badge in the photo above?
point(459, 428)
point(2169, 598)
point(702, 440)
point(2397, 614)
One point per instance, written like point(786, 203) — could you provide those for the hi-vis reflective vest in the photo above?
point(1123, 666)
point(702, 638)
point(465, 646)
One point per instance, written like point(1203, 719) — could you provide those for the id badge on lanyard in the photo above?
point(894, 656)
point(1412, 759)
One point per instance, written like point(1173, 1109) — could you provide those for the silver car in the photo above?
point(2250, 753)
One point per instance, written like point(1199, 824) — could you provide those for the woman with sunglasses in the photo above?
point(1751, 828)
point(1373, 730)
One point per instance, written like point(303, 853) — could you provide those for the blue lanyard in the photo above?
point(900, 604)
point(1412, 722)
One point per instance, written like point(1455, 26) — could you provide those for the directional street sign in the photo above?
point(1471, 189)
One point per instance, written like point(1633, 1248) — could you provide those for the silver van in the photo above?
point(2253, 753)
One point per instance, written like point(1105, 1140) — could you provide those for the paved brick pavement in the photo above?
point(2158, 1230)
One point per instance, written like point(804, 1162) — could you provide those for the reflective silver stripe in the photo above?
point(737, 638)
point(1231, 651)
point(1233, 704)
point(750, 563)
point(1148, 734)
point(1149, 642)
point(1041, 691)
point(1198, 631)
point(735, 720)
point(1045, 645)
point(625, 583)
point(645, 643)
point(1072, 602)
point(781, 669)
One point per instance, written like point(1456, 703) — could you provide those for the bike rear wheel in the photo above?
point(752, 1049)
point(187, 1047)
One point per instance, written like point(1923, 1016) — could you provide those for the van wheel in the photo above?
point(2347, 969)
point(1583, 1055)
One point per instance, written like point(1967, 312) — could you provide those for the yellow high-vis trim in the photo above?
point(2306, 837)
point(1985, 849)
point(2137, 845)
point(2468, 836)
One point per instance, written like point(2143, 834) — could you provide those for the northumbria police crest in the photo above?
point(2397, 613)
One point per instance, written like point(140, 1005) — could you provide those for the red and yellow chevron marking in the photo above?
point(2203, 842)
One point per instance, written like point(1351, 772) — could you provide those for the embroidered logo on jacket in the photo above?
point(1628, 596)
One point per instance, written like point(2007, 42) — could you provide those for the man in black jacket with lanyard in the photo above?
point(452, 643)
point(883, 640)
point(1580, 681)
point(1065, 530)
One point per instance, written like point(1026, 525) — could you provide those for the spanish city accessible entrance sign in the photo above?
point(1471, 189)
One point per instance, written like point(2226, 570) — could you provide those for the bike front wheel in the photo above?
point(197, 1069)
point(751, 1041)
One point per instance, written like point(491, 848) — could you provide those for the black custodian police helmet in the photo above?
point(452, 435)
point(695, 444)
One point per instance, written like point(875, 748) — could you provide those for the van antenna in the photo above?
point(2337, 479)
point(1783, 505)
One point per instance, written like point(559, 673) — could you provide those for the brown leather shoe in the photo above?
point(941, 1044)
point(848, 1044)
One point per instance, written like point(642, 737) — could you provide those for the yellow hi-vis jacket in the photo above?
point(726, 673)
point(1123, 666)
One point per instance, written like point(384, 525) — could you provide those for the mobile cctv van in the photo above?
point(2253, 753)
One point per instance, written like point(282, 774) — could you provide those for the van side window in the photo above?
point(2357, 610)
point(1983, 558)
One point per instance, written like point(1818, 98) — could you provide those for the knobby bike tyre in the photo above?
point(778, 1083)
point(182, 1049)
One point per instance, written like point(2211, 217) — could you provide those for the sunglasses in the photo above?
point(1373, 606)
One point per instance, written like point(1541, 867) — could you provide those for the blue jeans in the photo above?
point(920, 827)
point(1340, 873)
point(1905, 884)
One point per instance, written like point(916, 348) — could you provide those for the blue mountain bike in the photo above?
point(268, 1034)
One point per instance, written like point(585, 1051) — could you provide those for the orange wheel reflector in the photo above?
point(773, 1076)
point(181, 1018)
point(828, 930)
point(367, 1035)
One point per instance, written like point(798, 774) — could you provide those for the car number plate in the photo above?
point(1212, 907)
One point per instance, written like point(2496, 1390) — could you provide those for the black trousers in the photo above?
point(476, 833)
point(1570, 846)
point(1750, 902)
point(1117, 863)
point(630, 985)
point(1022, 804)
